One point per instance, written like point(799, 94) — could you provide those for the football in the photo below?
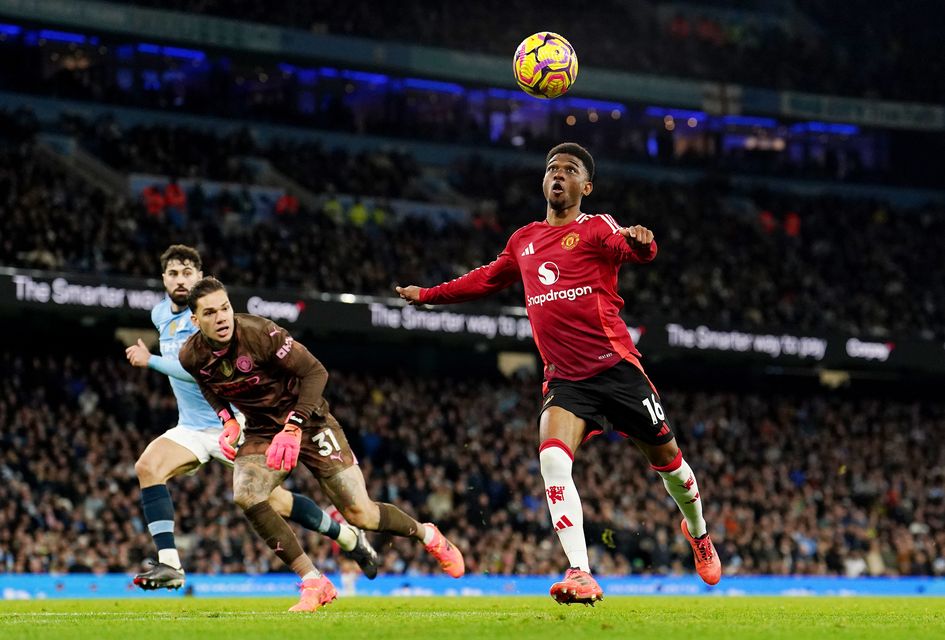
point(545, 65)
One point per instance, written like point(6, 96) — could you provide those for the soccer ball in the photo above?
point(545, 65)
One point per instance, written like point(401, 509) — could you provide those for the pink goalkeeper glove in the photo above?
point(230, 435)
point(283, 453)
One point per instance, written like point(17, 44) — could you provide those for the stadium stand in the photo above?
point(748, 259)
point(814, 47)
point(848, 486)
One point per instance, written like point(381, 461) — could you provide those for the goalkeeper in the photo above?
point(195, 440)
point(255, 365)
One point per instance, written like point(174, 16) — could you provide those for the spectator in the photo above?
point(154, 201)
point(175, 200)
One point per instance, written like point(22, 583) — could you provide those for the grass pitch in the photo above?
point(444, 618)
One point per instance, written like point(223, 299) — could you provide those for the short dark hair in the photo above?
point(576, 150)
point(183, 254)
point(203, 287)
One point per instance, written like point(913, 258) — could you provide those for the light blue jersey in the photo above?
point(175, 329)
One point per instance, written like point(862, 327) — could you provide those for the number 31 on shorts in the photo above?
point(327, 443)
point(655, 408)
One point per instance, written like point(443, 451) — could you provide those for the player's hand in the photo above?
point(637, 236)
point(138, 354)
point(229, 437)
point(411, 294)
point(283, 453)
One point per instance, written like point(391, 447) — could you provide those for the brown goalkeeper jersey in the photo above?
point(262, 372)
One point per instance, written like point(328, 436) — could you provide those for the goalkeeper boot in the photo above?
point(449, 557)
point(160, 576)
point(364, 554)
point(708, 565)
point(578, 587)
point(316, 592)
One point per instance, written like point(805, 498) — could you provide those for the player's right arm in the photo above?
point(231, 426)
point(139, 356)
point(188, 361)
point(497, 275)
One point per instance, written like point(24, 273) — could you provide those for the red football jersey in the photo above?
point(570, 278)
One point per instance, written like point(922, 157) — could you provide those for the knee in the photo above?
point(245, 497)
point(664, 456)
point(149, 472)
point(362, 516)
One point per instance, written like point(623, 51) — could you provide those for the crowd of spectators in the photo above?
point(746, 260)
point(805, 483)
point(191, 152)
point(875, 51)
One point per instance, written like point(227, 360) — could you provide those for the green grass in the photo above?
point(521, 618)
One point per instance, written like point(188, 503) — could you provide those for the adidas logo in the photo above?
point(563, 523)
point(529, 250)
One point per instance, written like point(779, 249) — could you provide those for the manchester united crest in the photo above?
point(570, 241)
point(226, 368)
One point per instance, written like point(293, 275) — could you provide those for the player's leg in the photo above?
point(639, 413)
point(253, 482)
point(161, 460)
point(325, 451)
point(680, 483)
point(304, 511)
point(347, 491)
point(560, 434)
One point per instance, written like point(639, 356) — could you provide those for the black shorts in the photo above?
point(621, 399)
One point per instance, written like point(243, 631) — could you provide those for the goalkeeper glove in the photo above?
point(230, 435)
point(283, 453)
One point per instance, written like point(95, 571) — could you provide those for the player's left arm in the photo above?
point(628, 244)
point(295, 359)
point(139, 355)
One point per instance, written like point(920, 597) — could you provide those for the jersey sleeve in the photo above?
point(169, 367)
point(616, 245)
point(497, 275)
point(294, 358)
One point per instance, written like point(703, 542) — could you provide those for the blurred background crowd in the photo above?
point(748, 258)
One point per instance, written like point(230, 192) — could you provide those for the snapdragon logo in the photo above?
point(548, 273)
point(563, 294)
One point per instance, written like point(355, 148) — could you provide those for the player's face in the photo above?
point(214, 317)
point(179, 278)
point(566, 181)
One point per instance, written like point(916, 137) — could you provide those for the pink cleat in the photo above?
point(316, 592)
point(449, 557)
point(708, 565)
point(577, 587)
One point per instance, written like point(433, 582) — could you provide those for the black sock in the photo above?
point(308, 514)
point(159, 514)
